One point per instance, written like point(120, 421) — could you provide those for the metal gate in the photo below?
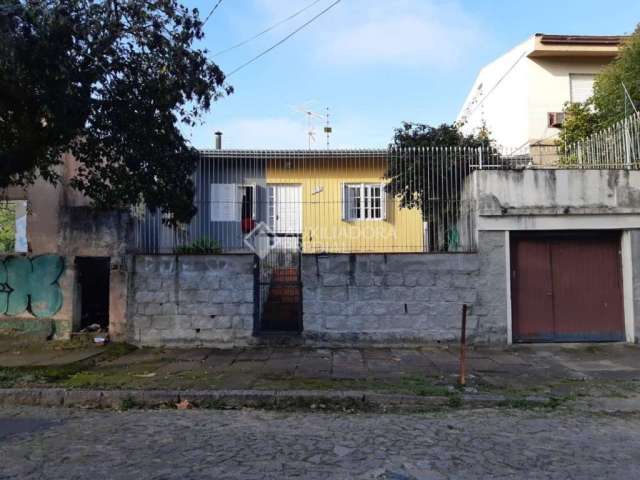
point(278, 286)
point(567, 287)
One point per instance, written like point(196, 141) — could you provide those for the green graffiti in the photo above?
point(31, 284)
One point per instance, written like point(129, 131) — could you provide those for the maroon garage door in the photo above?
point(566, 287)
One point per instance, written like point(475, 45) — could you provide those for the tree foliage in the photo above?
point(609, 102)
point(7, 226)
point(430, 179)
point(580, 121)
point(109, 81)
point(422, 135)
point(609, 98)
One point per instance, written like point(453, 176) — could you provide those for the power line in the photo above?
point(284, 39)
point(215, 7)
point(470, 111)
point(266, 30)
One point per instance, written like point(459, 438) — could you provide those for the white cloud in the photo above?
point(433, 33)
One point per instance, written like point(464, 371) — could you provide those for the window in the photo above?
point(364, 201)
point(13, 227)
point(581, 86)
point(231, 202)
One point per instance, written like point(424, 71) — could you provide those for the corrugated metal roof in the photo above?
point(248, 153)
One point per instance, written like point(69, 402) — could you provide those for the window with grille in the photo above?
point(364, 201)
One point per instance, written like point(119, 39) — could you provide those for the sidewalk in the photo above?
point(517, 372)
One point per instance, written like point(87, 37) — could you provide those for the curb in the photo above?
point(267, 399)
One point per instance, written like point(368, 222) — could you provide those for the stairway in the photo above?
point(283, 308)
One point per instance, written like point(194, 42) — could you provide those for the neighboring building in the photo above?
point(520, 96)
point(64, 270)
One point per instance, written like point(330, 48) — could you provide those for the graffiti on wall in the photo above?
point(31, 284)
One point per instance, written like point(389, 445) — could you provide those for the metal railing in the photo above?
point(615, 147)
point(337, 201)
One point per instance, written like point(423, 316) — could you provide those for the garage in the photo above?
point(566, 287)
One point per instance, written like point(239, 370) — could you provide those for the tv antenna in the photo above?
point(311, 116)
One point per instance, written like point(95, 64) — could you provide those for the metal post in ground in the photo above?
point(462, 380)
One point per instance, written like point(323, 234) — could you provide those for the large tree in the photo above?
point(431, 179)
point(610, 102)
point(110, 82)
point(609, 98)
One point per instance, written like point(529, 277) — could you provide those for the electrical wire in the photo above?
point(280, 42)
point(266, 30)
point(467, 114)
point(215, 7)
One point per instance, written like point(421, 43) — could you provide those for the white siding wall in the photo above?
point(503, 84)
point(550, 88)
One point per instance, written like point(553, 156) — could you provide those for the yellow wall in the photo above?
point(322, 224)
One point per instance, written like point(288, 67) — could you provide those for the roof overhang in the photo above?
point(605, 46)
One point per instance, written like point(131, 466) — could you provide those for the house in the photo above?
point(321, 200)
point(538, 255)
point(520, 96)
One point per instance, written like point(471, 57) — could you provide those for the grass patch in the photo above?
point(529, 404)
point(61, 375)
point(408, 385)
point(26, 376)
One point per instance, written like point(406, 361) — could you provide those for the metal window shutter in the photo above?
point(581, 87)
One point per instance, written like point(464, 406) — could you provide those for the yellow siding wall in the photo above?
point(322, 224)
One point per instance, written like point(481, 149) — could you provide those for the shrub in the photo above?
point(201, 246)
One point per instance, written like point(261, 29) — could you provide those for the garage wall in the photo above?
point(634, 237)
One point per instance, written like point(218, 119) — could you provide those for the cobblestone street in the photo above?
point(193, 444)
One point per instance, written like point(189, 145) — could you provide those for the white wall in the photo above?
point(549, 89)
point(499, 98)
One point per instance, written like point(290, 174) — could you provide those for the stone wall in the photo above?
point(406, 298)
point(191, 300)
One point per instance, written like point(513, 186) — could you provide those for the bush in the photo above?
point(202, 246)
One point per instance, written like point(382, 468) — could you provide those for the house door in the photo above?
point(285, 215)
point(566, 287)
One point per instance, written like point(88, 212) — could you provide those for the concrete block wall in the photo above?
point(191, 300)
point(488, 319)
point(405, 298)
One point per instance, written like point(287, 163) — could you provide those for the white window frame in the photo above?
point(366, 210)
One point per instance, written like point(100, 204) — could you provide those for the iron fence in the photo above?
point(336, 201)
point(614, 147)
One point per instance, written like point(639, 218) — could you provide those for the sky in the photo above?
point(372, 63)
